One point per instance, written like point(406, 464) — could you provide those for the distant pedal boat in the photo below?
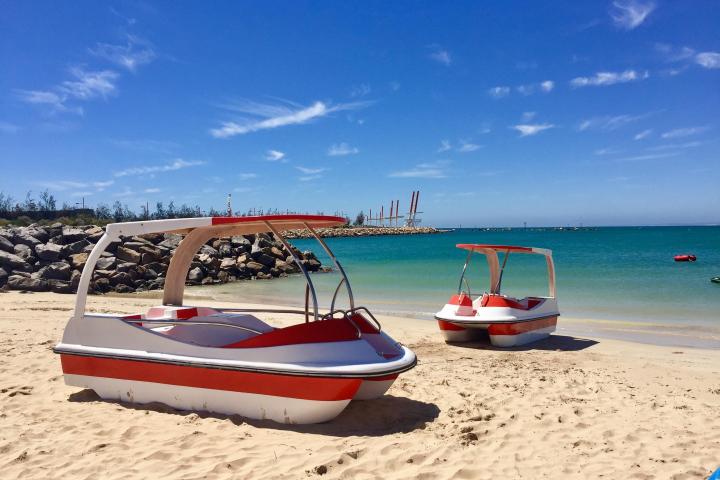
point(508, 321)
point(227, 360)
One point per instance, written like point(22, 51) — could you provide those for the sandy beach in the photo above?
point(564, 408)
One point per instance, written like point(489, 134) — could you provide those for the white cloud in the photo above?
point(684, 132)
point(466, 147)
point(606, 151)
point(130, 56)
point(274, 155)
point(630, 14)
point(528, 130)
point(247, 176)
point(499, 92)
point(440, 55)
point(674, 54)
point(341, 149)
point(643, 134)
point(268, 116)
point(152, 190)
point(676, 146)
point(526, 89)
point(176, 164)
point(708, 59)
point(81, 194)
point(444, 146)
point(547, 85)
point(89, 85)
point(55, 101)
point(609, 123)
point(651, 156)
point(311, 171)
point(63, 185)
point(360, 90)
point(423, 170)
point(609, 78)
point(307, 178)
point(8, 128)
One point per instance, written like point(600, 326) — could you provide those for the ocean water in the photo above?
point(615, 274)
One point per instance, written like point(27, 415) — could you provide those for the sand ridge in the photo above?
point(566, 408)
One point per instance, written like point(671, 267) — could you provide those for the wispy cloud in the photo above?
point(311, 171)
point(708, 59)
point(466, 147)
point(499, 92)
point(63, 185)
point(247, 176)
point(675, 146)
point(606, 151)
point(360, 90)
point(440, 55)
point(88, 85)
point(610, 122)
point(177, 164)
point(650, 156)
point(274, 155)
point(341, 149)
point(684, 132)
point(601, 79)
point(644, 134)
point(9, 128)
point(630, 14)
point(268, 116)
point(54, 101)
point(152, 190)
point(423, 170)
point(133, 54)
point(444, 146)
point(527, 130)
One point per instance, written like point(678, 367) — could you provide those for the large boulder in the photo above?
point(25, 252)
point(56, 270)
point(49, 252)
point(134, 245)
point(39, 233)
point(6, 245)
point(19, 282)
point(10, 262)
point(94, 234)
point(172, 240)
point(78, 260)
point(208, 250)
point(256, 267)
point(121, 278)
point(195, 275)
point(23, 238)
point(106, 263)
point(128, 255)
point(74, 247)
point(61, 286)
point(264, 258)
point(3, 276)
point(72, 235)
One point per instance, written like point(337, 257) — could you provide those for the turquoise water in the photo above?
point(623, 274)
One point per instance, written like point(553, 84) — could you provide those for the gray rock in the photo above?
point(124, 266)
point(6, 245)
point(24, 252)
point(39, 233)
point(123, 288)
point(195, 275)
point(75, 279)
point(49, 251)
point(23, 238)
point(102, 285)
point(208, 250)
point(18, 282)
point(228, 264)
point(264, 258)
point(172, 240)
point(72, 235)
point(277, 253)
point(74, 247)
point(57, 271)
point(263, 276)
point(240, 241)
point(128, 255)
point(134, 245)
point(11, 262)
point(121, 278)
point(255, 267)
point(3, 276)
point(61, 286)
point(285, 267)
point(106, 263)
point(157, 267)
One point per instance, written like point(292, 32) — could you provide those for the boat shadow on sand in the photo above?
point(560, 343)
point(386, 415)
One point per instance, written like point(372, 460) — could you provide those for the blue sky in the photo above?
point(499, 112)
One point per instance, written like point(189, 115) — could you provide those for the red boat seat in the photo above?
point(527, 303)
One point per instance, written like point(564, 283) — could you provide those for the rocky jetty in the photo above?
point(363, 231)
point(38, 258)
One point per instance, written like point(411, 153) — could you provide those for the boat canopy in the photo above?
point(496, 271)
point(197, 232)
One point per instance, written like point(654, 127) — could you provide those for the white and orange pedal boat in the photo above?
point(229, 360)
point(508, 321)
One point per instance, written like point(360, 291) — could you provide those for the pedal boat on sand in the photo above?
point(508, 321)
point(228, 360)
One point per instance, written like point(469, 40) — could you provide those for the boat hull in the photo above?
point(282, 398)
point(501, 334)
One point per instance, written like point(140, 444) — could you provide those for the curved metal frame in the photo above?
point(337, 264)
point(462, 276)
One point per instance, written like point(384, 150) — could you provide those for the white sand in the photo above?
point(569, 408)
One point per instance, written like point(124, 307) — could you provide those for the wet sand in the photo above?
point(568, 407)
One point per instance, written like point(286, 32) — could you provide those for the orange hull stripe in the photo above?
point(521, 327)
point(306, 388)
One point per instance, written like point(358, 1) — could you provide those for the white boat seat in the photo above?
point(215, 335)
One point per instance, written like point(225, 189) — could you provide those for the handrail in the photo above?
point(337, 290)
point(331, 315)
point(377, 322)
point(462, 276)
point(192, 322)
point(300, 264)
point(335, 261)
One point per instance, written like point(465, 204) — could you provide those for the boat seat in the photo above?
point(526, 303)
point(215, 335)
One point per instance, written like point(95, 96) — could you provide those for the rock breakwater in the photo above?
point(39, 258)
